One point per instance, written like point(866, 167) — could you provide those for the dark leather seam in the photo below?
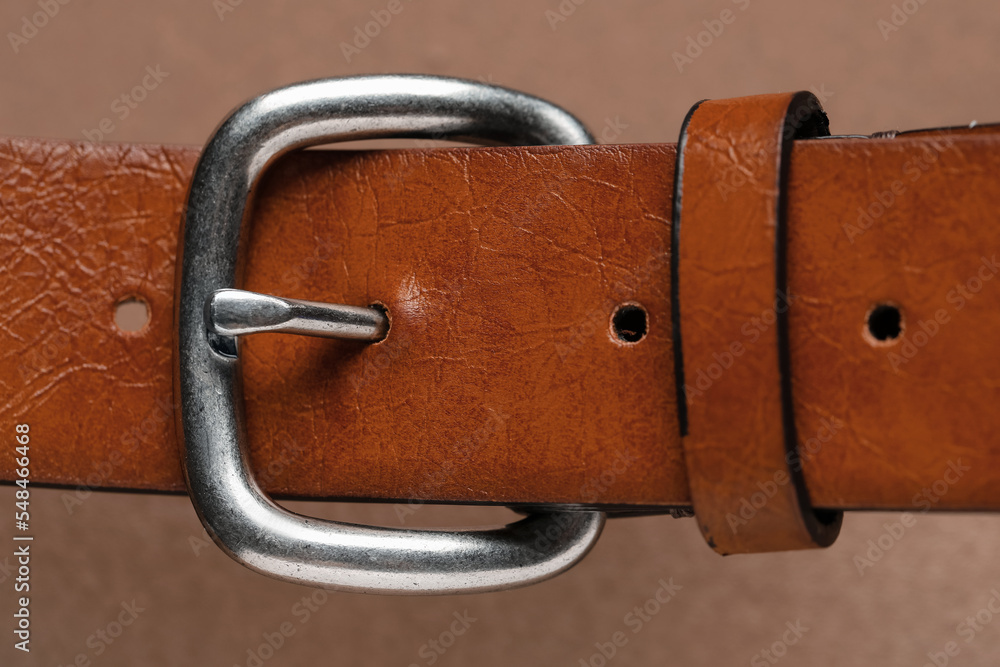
point(823, 527)
point(675, 267)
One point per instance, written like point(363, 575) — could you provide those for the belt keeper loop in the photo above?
point(730, 301)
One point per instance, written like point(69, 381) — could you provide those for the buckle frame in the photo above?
point(238, 515)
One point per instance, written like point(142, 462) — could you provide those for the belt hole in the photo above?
point(131, 314)
point(381, 307)
point(884, 323)
point(629, 322)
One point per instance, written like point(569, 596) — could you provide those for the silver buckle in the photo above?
point(242, 520)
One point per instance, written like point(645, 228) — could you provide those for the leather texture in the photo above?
point(501, 380)
point(729, 269)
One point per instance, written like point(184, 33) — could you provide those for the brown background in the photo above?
point(609, 62)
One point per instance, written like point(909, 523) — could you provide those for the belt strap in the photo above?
point(512, 373)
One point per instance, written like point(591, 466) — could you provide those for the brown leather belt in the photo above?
point(531, 359)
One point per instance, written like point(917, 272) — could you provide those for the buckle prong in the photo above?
point(236, 312)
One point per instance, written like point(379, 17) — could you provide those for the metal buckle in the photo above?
point(242, 520)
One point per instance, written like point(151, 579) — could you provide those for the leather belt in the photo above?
point(531, 355)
